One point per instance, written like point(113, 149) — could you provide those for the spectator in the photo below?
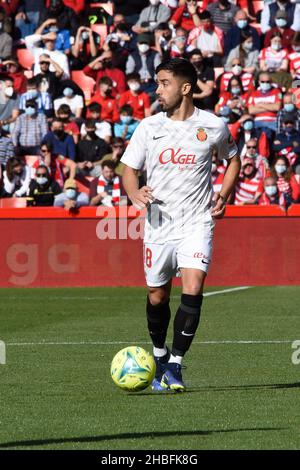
point(28, 16)
point(118, 148)
point(71, 199)
point(247, 132)
point(6, 41)
point(16, 178)
point(121, 43)
point(274, 59)
point(103, 128)
point(269, 14)
point(108, 189)
point(109, 108)
point(48, 40)
point(289, 109)
point(6, 148)
point(134, 97)
point(127, 124)
point(65, 16)
point(16, 73)
point(186, 16)
point(246, 191)
point(260, 162)
point(42, 189)
point(51, 73)
point(264, 103)
point(144, 61)
point(91, 149)
point(234, 98)
point(151, 16)
point(62, 143)
point(179, 44)
point(43, 100)
point(62, 42)
point(245, 53)
point(103, 67)
point(282, 28)
point(130, 10)
point(163, 36)
point(204, 94)
point(285, 180)
point(222, 14)
point(29, 130)
point(233, 37)
point(83, 49)
point(209, 39)
point(294, 57)
point(58, 166)
point(287, 142)
point(71, 98)
point(70, 127)
point(236, 68)
point(9, 103)
point(271, 194)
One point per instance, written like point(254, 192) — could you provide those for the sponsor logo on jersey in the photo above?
point(202, 256)
point(201, 134)
point(177, 157)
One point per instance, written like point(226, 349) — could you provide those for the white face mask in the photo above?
point(71, 193)
point(143, 48)
point(213, 167)
point(9, 91)
point(237, 70)
point(271, 190)
point(41, 180)
point(134, 86)
point(280, 168)
point(154, 2)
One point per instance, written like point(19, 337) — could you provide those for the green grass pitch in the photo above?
point(56, 391)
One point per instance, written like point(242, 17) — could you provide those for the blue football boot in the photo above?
point(172, 378)
point(161, 363)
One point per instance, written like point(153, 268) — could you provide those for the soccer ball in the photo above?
point(132, 369)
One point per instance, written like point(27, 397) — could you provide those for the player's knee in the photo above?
point(193, 288)
point(158, 296)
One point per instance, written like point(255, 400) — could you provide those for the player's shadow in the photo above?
point(130, 435)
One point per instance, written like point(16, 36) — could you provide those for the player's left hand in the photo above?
point(219, 207)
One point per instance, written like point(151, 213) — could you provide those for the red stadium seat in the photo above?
point(12, 202)
point(87, 184)
point(100, 29)
point(257, 5)
point(86, 83)
point(25, 58)
point(109, 7)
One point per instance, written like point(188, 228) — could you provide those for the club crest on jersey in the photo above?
point(201, 134)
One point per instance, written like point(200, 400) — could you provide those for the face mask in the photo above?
point(271, 190)
point(91, 134)
point(134, 86)
point(53, 29)
point(265, 86)
point(281, 23)
point(32, 94)
point(125, 119)
point(41, 180)
point(213, 167)
point(296, 48)
point(248, 125)
point(197, 64)
point(68, 92)
point(71, 193)
point(30, 111)
point(276, 47)
point(237, 70)
point(289, 130)
point(154, 2)
point(235, 90)
point(289, 107)
point(143, 48)
point(9, 91)
point(248, 46)
point(18, 173)
point(59, 133)
point(280, 169)
point(242, 24)
point(225, 119)
point(85, 35)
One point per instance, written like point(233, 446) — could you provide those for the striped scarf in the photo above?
point(104, 184)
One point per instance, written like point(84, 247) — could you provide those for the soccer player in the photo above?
point(176, 146)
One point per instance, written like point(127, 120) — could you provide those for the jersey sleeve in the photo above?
point(135, 153)
point(224, 143)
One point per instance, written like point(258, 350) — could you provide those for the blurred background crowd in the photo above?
point(77, 77)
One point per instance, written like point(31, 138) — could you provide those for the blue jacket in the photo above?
point(233, 38)
point(65, 147)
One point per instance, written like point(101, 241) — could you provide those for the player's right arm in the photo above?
point(134, 159)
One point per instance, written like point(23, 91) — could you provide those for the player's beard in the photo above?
point(170, 108)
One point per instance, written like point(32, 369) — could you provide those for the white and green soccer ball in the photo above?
point(132, 369)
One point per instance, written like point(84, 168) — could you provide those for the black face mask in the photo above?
point(59, 133)
point(92, 134)
point(197, 64)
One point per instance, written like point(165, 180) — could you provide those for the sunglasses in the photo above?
point(265, 81)
point(44, 63)
point(44, 150)
point(251, 146)
point(118, 146)
point(41, 174)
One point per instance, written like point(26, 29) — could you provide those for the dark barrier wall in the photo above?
point(69, 252)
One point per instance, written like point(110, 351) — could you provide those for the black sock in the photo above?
point(186, 323)
point(158, 317)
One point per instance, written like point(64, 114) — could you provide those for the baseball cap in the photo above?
point(70, 183)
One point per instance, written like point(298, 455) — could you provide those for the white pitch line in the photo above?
point(104, 343)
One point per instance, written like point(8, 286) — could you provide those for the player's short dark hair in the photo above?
point(180, 68)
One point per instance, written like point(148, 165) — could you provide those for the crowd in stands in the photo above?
point(78, 76)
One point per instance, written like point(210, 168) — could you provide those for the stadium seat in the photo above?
point(218, 71)
point(12, 202)
point(257, 5)
point(87, 184)
point(86, 83)
point(25, 58)
point(109, 7)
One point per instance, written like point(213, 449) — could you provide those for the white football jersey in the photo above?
point(177, 156)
